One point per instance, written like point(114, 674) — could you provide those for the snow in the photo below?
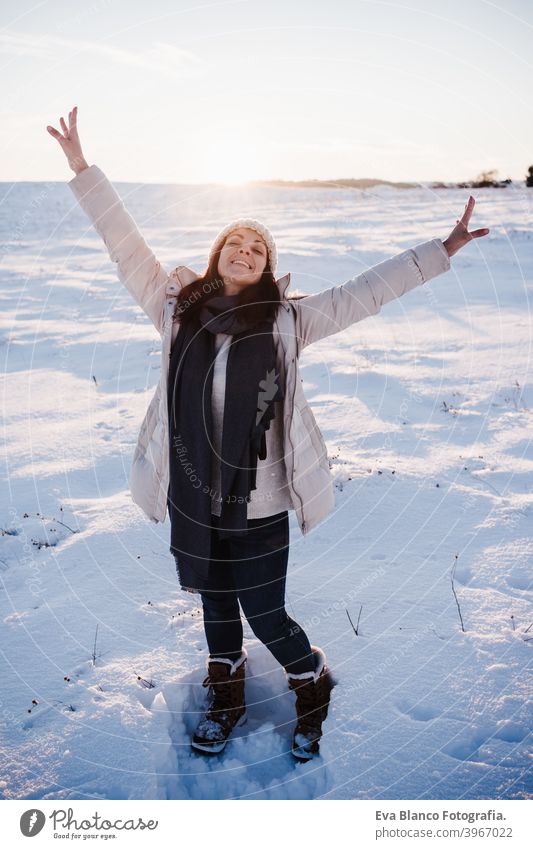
point(426, 411)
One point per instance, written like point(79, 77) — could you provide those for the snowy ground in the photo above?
point(427, 414)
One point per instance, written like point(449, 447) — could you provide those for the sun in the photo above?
point(232, 163)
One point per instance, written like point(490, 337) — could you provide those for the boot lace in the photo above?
point(312, 702)
point(226, 692)
point(309, 711)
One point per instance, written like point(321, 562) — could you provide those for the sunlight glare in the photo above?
point(233, 163)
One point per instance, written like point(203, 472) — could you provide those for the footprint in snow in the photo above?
point(419, 712)
point(491, 735)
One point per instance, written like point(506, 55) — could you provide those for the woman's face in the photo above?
point(243, 258)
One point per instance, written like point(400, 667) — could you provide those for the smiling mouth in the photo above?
point(241, 262)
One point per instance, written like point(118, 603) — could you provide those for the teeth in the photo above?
point(240, 262)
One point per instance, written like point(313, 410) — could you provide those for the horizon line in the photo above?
point(371, 181)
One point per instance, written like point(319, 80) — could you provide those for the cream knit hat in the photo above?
point(253, 224)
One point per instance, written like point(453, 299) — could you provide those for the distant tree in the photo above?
point(486, 179)
point(488, 176)
point(529, 178)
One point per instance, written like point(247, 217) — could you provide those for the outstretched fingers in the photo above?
point(67, 131)
point(469, 208)
point(53, 132)
point(483, 231)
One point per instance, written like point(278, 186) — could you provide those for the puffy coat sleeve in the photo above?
point(320, 315)
point(137, 267)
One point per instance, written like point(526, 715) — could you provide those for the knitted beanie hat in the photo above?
point(253, 224)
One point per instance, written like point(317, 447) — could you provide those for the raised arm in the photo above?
point(335, 309)
point(137, 267)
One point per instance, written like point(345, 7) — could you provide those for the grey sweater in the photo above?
point(271, 494)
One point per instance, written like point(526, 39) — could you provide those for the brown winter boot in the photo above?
point(312, 701)
point(227, 707)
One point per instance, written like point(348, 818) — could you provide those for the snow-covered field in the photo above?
point(427, 411)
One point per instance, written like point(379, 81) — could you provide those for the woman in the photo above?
point(229, 444)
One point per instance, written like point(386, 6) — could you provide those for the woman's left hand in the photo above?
point(460, 236)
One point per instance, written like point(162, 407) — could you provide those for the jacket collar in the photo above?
point(283, 284)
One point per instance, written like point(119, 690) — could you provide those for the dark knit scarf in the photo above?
point(252, 386)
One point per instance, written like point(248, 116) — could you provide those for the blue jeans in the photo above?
point(252, 570)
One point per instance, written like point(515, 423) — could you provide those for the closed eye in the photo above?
point(259, 251)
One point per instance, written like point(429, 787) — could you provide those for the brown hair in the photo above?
point(258, 301)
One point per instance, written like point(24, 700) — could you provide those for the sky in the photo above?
point(197, 92)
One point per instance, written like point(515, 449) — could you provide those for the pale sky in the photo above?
point(192, 92)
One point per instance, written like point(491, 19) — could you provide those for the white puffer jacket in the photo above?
point(299, 322)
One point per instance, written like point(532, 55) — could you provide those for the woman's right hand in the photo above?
point(70, 141)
